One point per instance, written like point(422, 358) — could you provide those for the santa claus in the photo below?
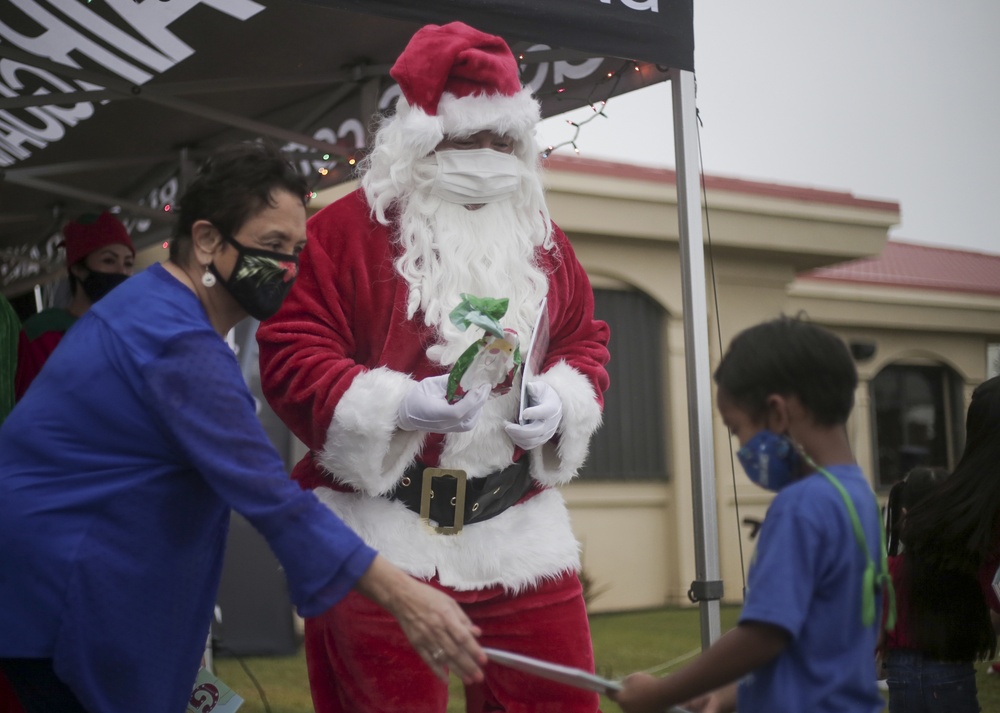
point(461, 495)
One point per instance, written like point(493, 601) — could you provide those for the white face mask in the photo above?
point(473, 176)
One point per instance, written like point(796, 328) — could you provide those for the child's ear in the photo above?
point(777, 417)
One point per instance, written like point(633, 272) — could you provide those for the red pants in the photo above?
point(8, 701)
point(360, 661)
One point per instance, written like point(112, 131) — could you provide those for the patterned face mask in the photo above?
point(261, 279)
point(770, 460)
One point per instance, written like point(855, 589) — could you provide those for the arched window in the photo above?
point(631, 443)
point(917, 419)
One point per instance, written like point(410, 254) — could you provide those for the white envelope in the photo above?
point(534, 357)
point(555, 672)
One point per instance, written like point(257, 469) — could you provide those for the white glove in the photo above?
point(541, 418)
point(426, 407)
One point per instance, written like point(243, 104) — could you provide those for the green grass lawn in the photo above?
point(654, 641)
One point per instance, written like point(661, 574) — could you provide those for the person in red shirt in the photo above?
point(99, 256)
point(916, 485)
point(945, 575)
point(10, 326)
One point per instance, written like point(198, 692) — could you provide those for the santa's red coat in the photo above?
point(340, 355)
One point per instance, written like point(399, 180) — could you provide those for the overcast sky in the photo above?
point(887, 99)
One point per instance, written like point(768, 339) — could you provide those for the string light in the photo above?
point(577, 125)
point(166, 208)
point(166, 244)
point(614, 77)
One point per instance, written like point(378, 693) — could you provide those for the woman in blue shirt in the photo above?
point(120, 467)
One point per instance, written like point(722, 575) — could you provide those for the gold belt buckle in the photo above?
point(459, 501)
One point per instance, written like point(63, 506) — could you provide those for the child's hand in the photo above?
point(880, 670)
point(722, 700)
point(639, 694)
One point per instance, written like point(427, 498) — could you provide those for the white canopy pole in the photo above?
point(707, 587)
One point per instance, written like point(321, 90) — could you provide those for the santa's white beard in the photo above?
point(449, 250)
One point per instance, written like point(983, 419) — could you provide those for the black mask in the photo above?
point(261, 279)
point(97, 284)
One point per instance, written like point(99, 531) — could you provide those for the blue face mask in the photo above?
point(770, 460)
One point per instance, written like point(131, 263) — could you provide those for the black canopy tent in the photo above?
point(101, 102)
point(104, 103)
point(658, 31)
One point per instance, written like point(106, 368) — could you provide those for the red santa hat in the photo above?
point(456, 81)
point(90, 233)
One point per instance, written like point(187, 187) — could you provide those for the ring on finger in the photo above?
point(437, 655)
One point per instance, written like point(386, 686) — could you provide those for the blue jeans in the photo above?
point(922, 685)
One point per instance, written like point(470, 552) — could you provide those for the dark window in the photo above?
point(917, 419)
point(630, 444)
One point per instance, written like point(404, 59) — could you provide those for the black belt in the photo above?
point(452, 500)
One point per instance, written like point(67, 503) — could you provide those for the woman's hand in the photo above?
point(433, 622)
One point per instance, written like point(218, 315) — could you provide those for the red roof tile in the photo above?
point(596, 167)
point(919, 266)
point(900, 264)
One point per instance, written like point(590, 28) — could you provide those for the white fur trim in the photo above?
point(423, 132)
point(516, 549)
point(514, 116)
point(558, 461)
point(364, 448)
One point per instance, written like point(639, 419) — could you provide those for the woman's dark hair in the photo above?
point(958, 528)
point(234, 184)
point(949, 537)
point(788, 356)
point(905, 494)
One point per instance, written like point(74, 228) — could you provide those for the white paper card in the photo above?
point(563, 674)
point(210, 695)
point(534, 358)
point(554, 672)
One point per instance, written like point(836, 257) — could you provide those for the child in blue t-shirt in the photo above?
point(805, 638)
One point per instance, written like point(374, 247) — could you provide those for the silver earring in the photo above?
point(207, 278)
